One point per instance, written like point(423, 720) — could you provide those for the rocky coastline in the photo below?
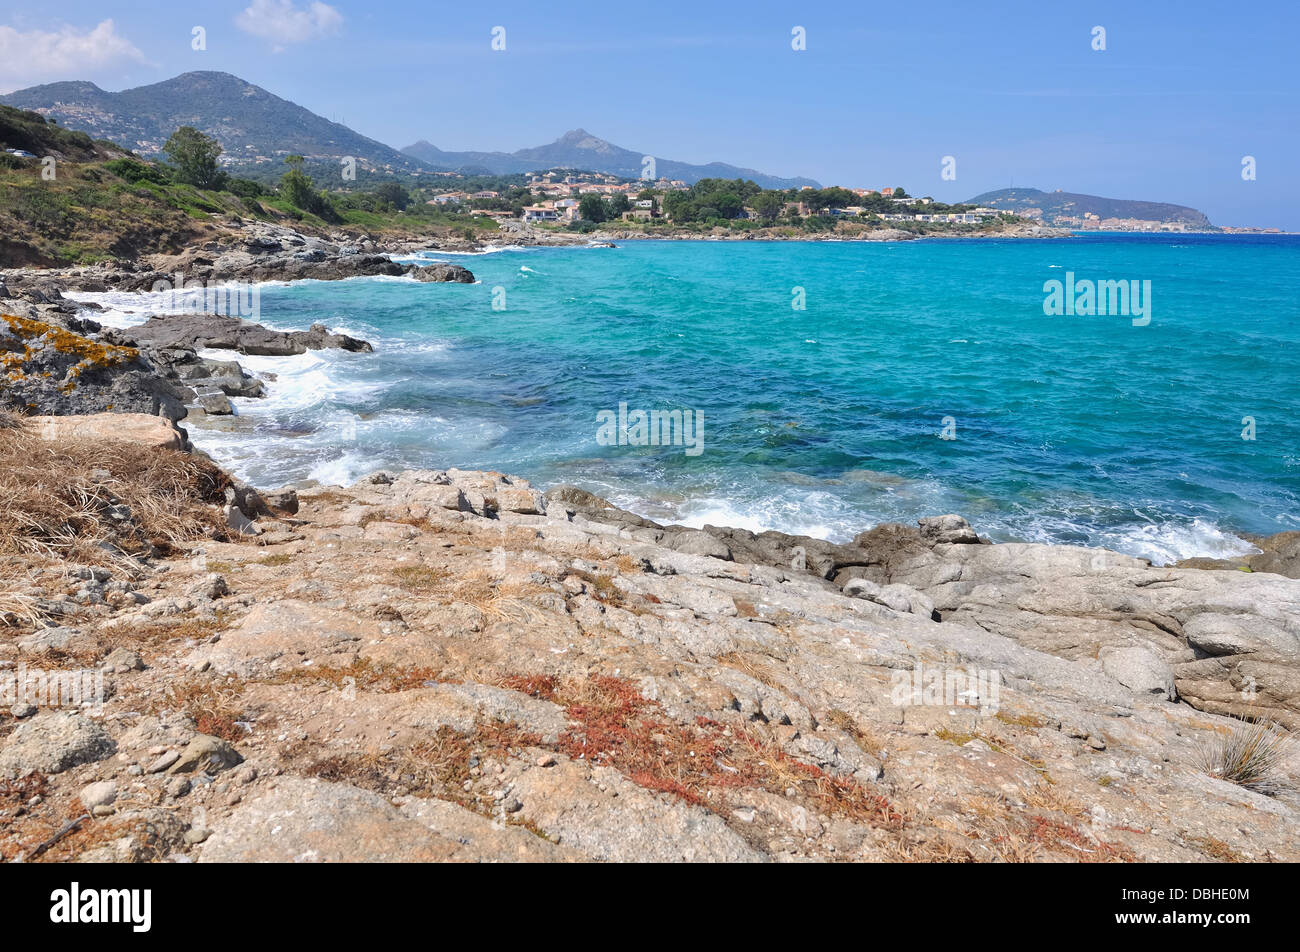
point(454, 665)
point(60, 361)
point(437, 665)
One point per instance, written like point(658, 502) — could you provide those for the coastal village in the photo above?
point(557, 196)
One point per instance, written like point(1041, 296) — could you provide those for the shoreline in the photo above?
point(223, 380)
point(307, 650)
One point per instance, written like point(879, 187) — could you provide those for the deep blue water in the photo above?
point(1081, 429)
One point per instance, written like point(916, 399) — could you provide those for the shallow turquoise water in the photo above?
point(825, 420)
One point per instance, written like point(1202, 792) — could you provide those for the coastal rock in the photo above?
point(421, 670)
point(947, 530)
point(63, 372)
point(206, 754)
point(215, 404)
point(443, 273)
point(1230, 639)
point(1139, 669)
point(1279, 554)
point(219, 332)
point(149, 431)
point(609, 818)
point(99, 794)
point(291, 630)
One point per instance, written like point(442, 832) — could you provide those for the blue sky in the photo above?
point(1013, 90)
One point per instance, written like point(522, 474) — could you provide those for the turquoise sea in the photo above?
point(829, 419)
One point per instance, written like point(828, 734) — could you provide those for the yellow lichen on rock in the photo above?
point(37, 337)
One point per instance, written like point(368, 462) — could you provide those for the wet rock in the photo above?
point(221, 332)
point(443, 272)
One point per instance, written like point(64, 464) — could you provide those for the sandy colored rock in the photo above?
point(150, 431)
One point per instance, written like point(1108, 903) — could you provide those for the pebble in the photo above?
point(163, 762)
point(546, 760)
point(178, 787)
point(99, 794)
point(23, 710)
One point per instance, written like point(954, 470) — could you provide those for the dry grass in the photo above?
point(865, 739)
point(1216, 848)
point(82, 500)
point(747, 666)
point(1026, 720)
point(1251, 756)
point(215, 706)
point(421, 579)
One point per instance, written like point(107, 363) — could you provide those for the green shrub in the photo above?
point(134, 171)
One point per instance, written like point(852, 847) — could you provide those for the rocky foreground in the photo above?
point(455, 666)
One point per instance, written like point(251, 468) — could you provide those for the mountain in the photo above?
point(580, 149)
point(1074, 205)
point(249, 122)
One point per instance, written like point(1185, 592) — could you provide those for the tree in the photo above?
point(768, 205)
point(296, 186)
point(619, 205)
point(591, 207)
point(298, 189)
point(899, 193)
point(394, 195)
point(195, 157)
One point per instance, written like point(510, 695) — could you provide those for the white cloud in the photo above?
point(283, 22)
point(35, 56)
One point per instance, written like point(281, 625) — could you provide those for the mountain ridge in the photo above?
point(580, 149)
point(255, 125)
point(249, 121)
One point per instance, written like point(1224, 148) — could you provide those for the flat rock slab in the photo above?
point(314, 821)
point(141, 428)
point(378, 720)
point(289, 632)
point(623, 823)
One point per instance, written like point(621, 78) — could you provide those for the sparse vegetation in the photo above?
point(215, 705)
point(420, 578)
point(1251, 755)
point(84, 500)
